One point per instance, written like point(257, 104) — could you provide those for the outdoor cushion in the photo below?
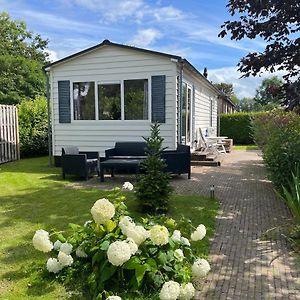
point(128, 157)
point(70, 150)
point(130, 149)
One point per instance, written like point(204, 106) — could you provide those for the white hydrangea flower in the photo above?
point(118, 253)
point(187, 292)
point(200, 268)
point(65, 259)
point(169, 291)
point(185, 241)
point(178, 254)
point(66, 248)
point(127, 186)
point(53, 265)
point(102, 211)
point(159, 235)
point(125, 223)
point(138, 234)
point(114, 298)
point(41, 241)
point(176, 236)
point(80, 252)
point(199, 233)
point(133, 246)
point(57, 244)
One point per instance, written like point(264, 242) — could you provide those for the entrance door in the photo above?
point(186, 118)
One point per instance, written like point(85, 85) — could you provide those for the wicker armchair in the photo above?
point(75, 162)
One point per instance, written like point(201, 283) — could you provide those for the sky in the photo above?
point(186, 28)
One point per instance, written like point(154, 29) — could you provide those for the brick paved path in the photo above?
point(245, 265)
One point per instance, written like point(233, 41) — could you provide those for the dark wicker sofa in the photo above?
point(178, 161)
point(75, 162)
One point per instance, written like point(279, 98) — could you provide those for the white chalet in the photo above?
point(113, 92)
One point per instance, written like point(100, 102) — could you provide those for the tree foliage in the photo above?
point(20, 78)
point(33, 127)
point(277, 22)
point(22, 55)
point(16, 40)
point(269, 91)
point(227, 90)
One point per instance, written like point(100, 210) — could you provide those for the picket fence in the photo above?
point(9, 134)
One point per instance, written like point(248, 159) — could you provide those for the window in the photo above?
point(136, 99)
point(109, 99)
point(84, 100)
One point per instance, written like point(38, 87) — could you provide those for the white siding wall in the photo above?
point(203, 93)
point(112, 64)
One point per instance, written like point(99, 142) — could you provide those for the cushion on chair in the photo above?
point(70, 150)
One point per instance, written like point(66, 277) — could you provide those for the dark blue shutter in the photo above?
point(64, 105)
point(158, 92)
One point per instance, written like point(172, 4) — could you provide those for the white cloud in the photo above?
point(145, 37)
point(53, 56)
point(167, 13)
point(54, 21)
point(243, 87)
point(114, 10)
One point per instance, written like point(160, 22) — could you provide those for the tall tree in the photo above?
point(227, 90)
point(269, 91)
point(277, 22)
point(22, 55)
point(17, 40)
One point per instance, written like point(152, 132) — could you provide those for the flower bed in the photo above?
point(115, 256)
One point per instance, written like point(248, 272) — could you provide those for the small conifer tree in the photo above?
point(153, 188)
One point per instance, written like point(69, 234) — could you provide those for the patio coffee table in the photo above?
point(113, 164)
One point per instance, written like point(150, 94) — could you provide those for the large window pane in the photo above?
point(136, 99)
point(109, 97)
point(84, 100)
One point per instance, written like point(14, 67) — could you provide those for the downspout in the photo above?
point(218, 117)
point(181, 64)
point(49, 115)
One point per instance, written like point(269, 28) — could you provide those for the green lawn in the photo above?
point(33, 196)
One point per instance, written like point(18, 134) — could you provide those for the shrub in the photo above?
point(33, 127)
point(277, 133)
point(113, 255)
point(291, 195)
point(153, 187)
point(237, 126)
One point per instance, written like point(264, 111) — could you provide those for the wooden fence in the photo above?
point(9, 133)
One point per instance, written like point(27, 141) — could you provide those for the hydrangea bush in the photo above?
point(115, 256)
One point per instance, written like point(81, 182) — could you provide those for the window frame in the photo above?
point(117, 81)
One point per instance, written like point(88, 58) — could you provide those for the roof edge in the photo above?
point(185, 61)
point(109, 43)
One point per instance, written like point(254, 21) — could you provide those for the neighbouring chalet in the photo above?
point(226, 106)
point(113, 92)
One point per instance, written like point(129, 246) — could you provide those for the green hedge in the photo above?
point(33, 126)
point(277, 133)
point(237, 126)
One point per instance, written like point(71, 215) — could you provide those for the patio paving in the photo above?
point(246, 262)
